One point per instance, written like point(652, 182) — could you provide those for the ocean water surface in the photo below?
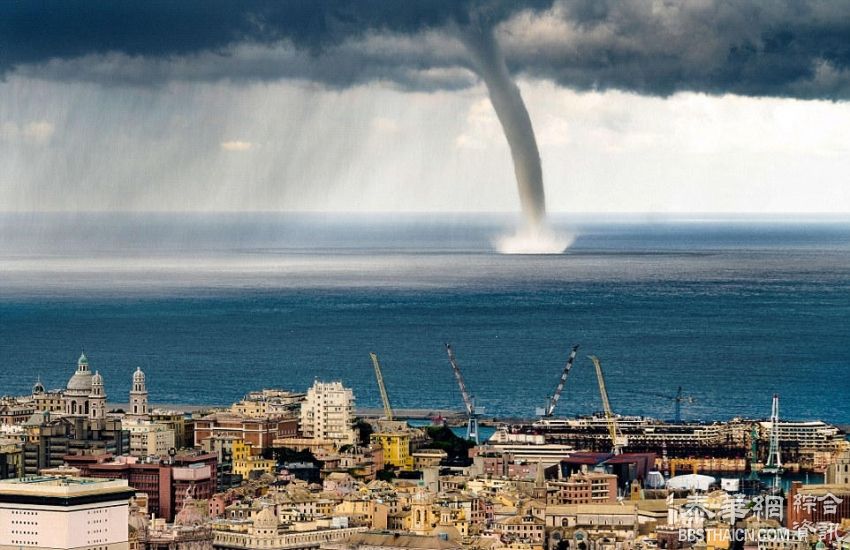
point(213, 306)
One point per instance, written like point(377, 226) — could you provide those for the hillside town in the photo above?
point(284, 469)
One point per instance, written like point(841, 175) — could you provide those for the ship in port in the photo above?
point(735, 444)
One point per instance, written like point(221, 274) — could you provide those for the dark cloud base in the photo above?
point(784, 48)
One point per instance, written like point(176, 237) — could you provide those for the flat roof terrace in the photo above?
point(62, 490)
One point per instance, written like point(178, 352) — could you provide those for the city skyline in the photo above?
point(424, 274)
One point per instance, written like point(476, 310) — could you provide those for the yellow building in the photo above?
point(43, 400)
point(254, 409)
point(426, 518)
point(240, 450)
point(373, 512)
point(269, 403)
point(245, 462)
point(396, 447)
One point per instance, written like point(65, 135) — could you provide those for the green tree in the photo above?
point(457, 448)
point(365, 430)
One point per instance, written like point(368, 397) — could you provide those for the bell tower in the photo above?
point(539, 492)
point(97, 398)
point(138, 397)
point(421, 513)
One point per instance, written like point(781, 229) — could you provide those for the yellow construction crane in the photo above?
point(388, 411)
point(617, 440)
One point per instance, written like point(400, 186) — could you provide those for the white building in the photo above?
point(262, 531)
point(327, 413)
point(64, 513)
point(149, 438)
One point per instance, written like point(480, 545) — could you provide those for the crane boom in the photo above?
point(472, 413)
point(678, 400)
point(773, 465)
point(388, 411)
point(613, 431)
point(553, 401)
point(467, 400)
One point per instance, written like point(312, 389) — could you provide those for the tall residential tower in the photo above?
point(327, 413)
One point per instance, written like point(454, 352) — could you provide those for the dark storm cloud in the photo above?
point(33, 31)
point(338, 42)
point(790, 48)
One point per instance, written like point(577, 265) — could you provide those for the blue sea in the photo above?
point(212, 306)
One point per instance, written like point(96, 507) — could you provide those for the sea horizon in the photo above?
point(733, 312)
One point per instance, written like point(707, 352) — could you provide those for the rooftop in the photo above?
point(61, 486)
point(608, 509)
point(396, 540)
point(228, 416)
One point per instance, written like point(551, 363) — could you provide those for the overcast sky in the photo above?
point(701, 106)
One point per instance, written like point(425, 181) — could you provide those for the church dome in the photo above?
point(97, 379)
point(138, 376)
point(265, 519)
point(82, 379)
point(136, 520)
point(38, 388)
point(80, 382)
point(189, 516)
